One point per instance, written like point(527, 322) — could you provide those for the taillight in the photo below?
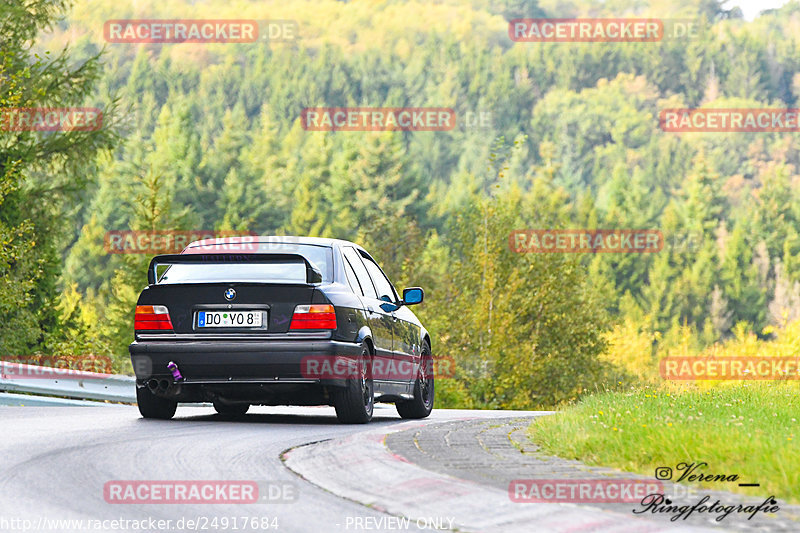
point(149, 317)
point(315, 316)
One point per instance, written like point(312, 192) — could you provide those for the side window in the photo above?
point(351, 277)
point(361, 273)
point(378, 277)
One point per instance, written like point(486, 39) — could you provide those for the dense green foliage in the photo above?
point(40, 175)
point(211, 139)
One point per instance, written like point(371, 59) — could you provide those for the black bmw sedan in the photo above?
point(249, 320)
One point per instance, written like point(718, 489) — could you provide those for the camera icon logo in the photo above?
point(663, 472)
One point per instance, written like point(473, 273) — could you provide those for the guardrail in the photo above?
point(66, 383)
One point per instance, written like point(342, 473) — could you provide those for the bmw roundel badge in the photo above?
point(230, 294)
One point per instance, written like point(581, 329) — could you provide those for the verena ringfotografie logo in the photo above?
point(586, 241)
point(199, 31)
point(328, 367)
point(378, 118)
point(585, 30)
point(55, 366)
point(174, 241)
point(50, 119)
point(740, 120)
point(730, 368)
point(190, 491)
point(582, 490)
point(692, 472)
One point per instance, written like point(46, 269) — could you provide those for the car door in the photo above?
point(380, 322)
point(404, 345)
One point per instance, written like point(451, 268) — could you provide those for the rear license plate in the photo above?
point(229, 319)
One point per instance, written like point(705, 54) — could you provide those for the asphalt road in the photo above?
point(56, 462)
point(82, 469)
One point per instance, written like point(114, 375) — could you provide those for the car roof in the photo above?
point(257, 239)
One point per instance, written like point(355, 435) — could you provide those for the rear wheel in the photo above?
point(422, 404)
point(231, 409)
point(152, 406)
point(355, 402)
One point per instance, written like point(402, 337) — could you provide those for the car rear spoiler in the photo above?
point(313, 273)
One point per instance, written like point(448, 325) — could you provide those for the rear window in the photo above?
point(289, 271)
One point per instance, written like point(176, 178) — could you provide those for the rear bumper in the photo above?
point(230, 362)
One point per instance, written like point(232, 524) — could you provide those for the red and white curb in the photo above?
point(361, 468)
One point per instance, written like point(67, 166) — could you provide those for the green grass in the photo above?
point(751, 430)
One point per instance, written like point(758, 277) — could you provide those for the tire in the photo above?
point(235, 409)
point(422, 404)
point(355, 402)
point(152, 406)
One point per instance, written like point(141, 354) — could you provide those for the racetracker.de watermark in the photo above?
point(202, 492)
point(601, 30)
point(330, 367)
point(734, 120)
point(199, 31)
point(582, 490)
point(174, 241)
point(476, 120)
point(88, 366)
point(50, 119)
point(585, 30)
point(586, 241)
point(378, 118)
point(730, 368)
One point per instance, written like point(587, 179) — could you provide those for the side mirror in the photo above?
point(413, 295)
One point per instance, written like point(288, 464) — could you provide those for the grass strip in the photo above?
point(750, 430)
